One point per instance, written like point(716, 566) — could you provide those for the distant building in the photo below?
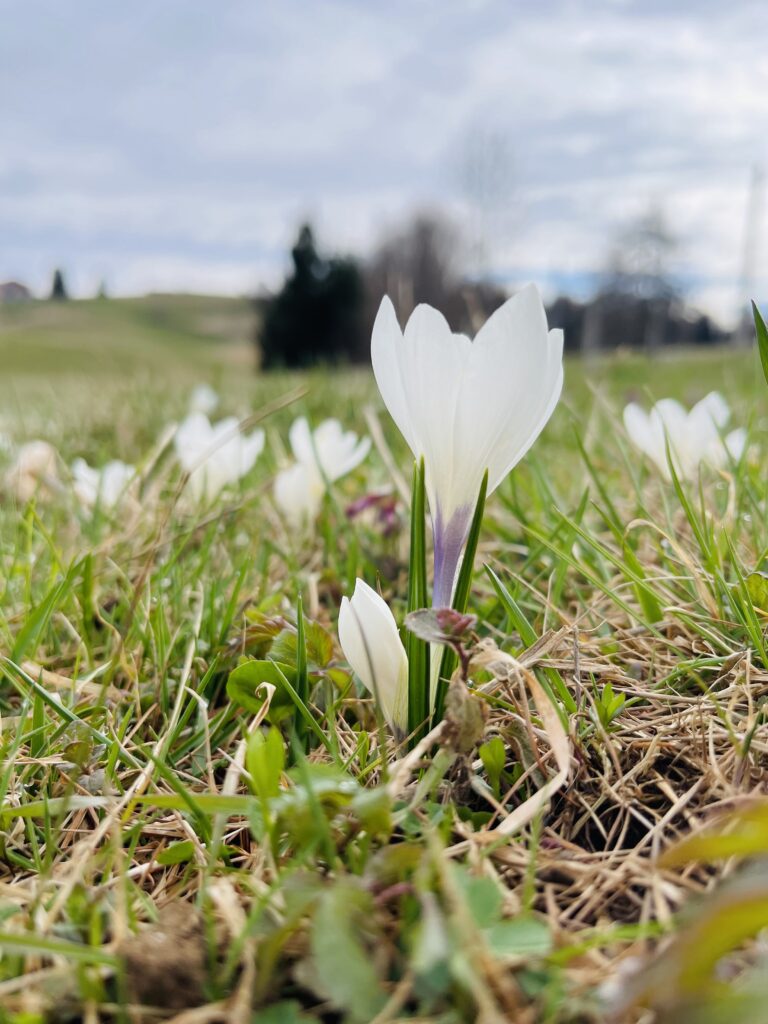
point(12, 291)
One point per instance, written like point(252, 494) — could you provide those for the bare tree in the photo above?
point(419, 263)
point(486, 179)
point(744, 333)
point(637, 284)
point(425, 261)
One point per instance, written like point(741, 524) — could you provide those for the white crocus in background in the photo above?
point(35, 470)
point(323, 456)
point(203, 399)
point(215, 456)
point(694, 436)
point(103, 487)
point(467, 406)
point(371, 643)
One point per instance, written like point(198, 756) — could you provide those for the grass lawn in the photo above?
point(171, 839)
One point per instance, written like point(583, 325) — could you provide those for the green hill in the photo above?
point(152, 334)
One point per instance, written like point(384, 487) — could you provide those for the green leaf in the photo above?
point(373, 809)
point(343, 964)
point(741, 835)
point(523, 936)
point(493, 754)
point(482, 895)
point(283, 1013)
point(762, 339)
point(265, 761)
point(24, 942)
point(432, 946)
point(416, 648)
point(318, 641)
point(29, 635)
point(757, 588)
point(244, 687)
point(734, 913)
point(176, 853)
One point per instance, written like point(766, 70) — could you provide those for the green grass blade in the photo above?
point(418, 650)
point(762, 339)
point(552, 681)
point(302, 676)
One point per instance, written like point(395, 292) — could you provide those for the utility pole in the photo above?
point(744, 333)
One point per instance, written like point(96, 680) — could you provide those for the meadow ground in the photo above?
point(156, 855)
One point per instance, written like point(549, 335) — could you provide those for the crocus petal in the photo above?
point(669, 427)
point(672, 416)
point(203, 399)
point(736, 443)
point(192, 439)
point(449, 538)
point(468, 406)
point(712, 407)
point(102, 487)
point(338, 451)
point(371, 643)
point(34, 470)
point(250, 448)
point(328, 449)
point(693, 436)
point(386, 358)
point(638, 426)
point(300, 437)
point(520, 371)
point(298, 493)
point(217, 455)
point(86, 483)
point(115, 479)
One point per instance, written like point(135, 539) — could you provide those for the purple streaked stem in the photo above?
point(449, 541)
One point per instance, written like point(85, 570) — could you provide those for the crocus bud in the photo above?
point(372, 646)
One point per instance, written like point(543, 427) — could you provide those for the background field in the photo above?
point(92, 350)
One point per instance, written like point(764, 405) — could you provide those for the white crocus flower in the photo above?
point(203, 399)
point(103, 487)
point(694, 436)
point(371, 643)
point(215, 456)
point(34, 470)
point(467, 406)
point(322, 457)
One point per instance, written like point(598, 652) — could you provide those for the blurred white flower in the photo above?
point(371, 643)
point(204, 399)
point(299, 493)
point(215, 456)
point(322, 457)
point(34, 470)
point(694, 436)
point(467, 406)
point(103, 487)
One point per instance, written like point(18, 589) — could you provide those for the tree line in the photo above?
point(324, 311)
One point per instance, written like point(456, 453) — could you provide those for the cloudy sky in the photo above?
point(177, 145)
